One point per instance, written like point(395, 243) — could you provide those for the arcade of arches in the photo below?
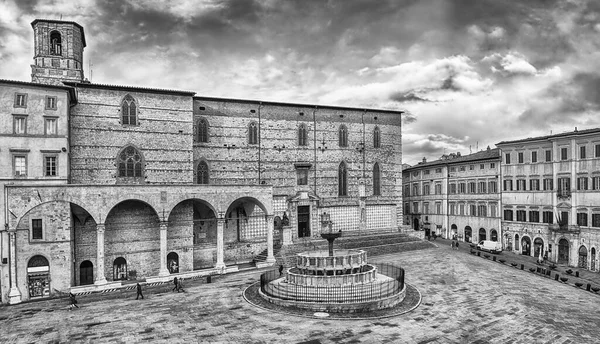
point(135, 241)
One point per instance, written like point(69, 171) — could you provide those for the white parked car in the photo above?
point(490, 246)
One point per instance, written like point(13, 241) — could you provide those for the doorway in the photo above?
point(416, 224)
point(86, 273)
point(38, 277)
point(583, 253)
point(563, 251)
point(526, 246)
point(303, 221)
point(468, 234)
point(173, 262)
point(120, 269)
point(482, 234)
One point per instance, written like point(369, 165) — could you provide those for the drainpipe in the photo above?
point(259, 143)
point(315, 147)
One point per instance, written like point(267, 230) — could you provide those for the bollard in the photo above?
point(209, 279)
point(556, 277)
point(494, 258)
point(589, 286)
point(522, 266)
point(478, 254)
point(538, 269)
point(576, 273)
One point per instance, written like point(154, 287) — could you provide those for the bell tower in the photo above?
point(58, 51)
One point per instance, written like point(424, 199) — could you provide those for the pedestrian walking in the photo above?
point(180, 285)
point(138, 288)
point(175, 283)
point(73, 301)
point(280, 269)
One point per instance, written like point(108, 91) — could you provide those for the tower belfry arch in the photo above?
point(58, 52)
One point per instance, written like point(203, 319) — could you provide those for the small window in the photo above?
point(508, 215)
point(252, 133)
point(376, 180)
point(534, 216)
point(202, 130)
point(452, 169)
point(462, 168)
point(481, 166)
point(50, 103)
point(203, 173)
point(302, 176)
point(548, 184)
point(582, 219)
point(37, 229)
point(128, 111)
point(376, 138)
point(343, 136)
point(50, 166)
point(492, 187)
point(493, 165)
point(342, 180)
point(563, 154)
point(582, 183)
point(597, 155)
point(426, 172)
point(50, 126)
point(20, 100)
point(20, 125)
point(534, 184)
point(438, 170)
point(582, 152)
point(507, 158)
point(471, 167)
point(302, 135)
point(533, 157)
point(520, 156)
point(548, 155)
point(20, 165)
point(130, 163)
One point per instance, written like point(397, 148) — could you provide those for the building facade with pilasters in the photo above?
point(551, 197)
point(161, 182)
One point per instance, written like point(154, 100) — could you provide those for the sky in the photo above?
point(468, 73)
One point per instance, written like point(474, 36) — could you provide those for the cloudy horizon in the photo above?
point(468, 73)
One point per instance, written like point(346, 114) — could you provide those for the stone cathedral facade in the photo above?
point(104, 184)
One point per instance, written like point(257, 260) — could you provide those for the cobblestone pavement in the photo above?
point(466, 299)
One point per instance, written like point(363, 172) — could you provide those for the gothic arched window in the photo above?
point(343, 136)
point(376, 138)
point(252, 133)
point(202, 172)
point(342, 180)
point(55, 43)
point(302, 135)
point(128, 111)
point(376, 180)
point(202, 130)
point(130, 163)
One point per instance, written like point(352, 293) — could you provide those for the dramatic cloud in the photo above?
point(468, 73)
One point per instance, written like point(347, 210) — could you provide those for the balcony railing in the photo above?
point(564, 228)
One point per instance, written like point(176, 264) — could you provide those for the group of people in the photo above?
point(454, 243)
point(178, 284)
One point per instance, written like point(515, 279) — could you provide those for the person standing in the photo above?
point(180, 285)
point(138, 287)
point(175, 283)
point(73, 301)
point(280, 269)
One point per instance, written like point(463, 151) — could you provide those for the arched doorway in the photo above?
point(453, 230)
point(173, 262)
point(120, 269)
point(86, 273)
point(517, 244)
point(526, 246)
point(582, 263)
point(538, 247)
point(494, 235)
point(563, 251)
point(468, 234)
point(593, 261)
point(416, 224)
point(38, 277)
point(482, 234)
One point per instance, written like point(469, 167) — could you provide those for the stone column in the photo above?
point(100, 278)
point(220, 245)
point(14, 295)
point(270, 256)
point(163, 250)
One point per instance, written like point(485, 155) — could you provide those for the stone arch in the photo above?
point(526, 245)
point(38, 276)
point(468, 234)
point(482, 234)
point(582, 257)
point(55, 43)
point(538, 246)
point(593, 265)
point(493, 234)
point(131, 164)
point(27, 213)
point(245, 219)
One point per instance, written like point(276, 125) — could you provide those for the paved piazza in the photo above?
point(466, 299)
